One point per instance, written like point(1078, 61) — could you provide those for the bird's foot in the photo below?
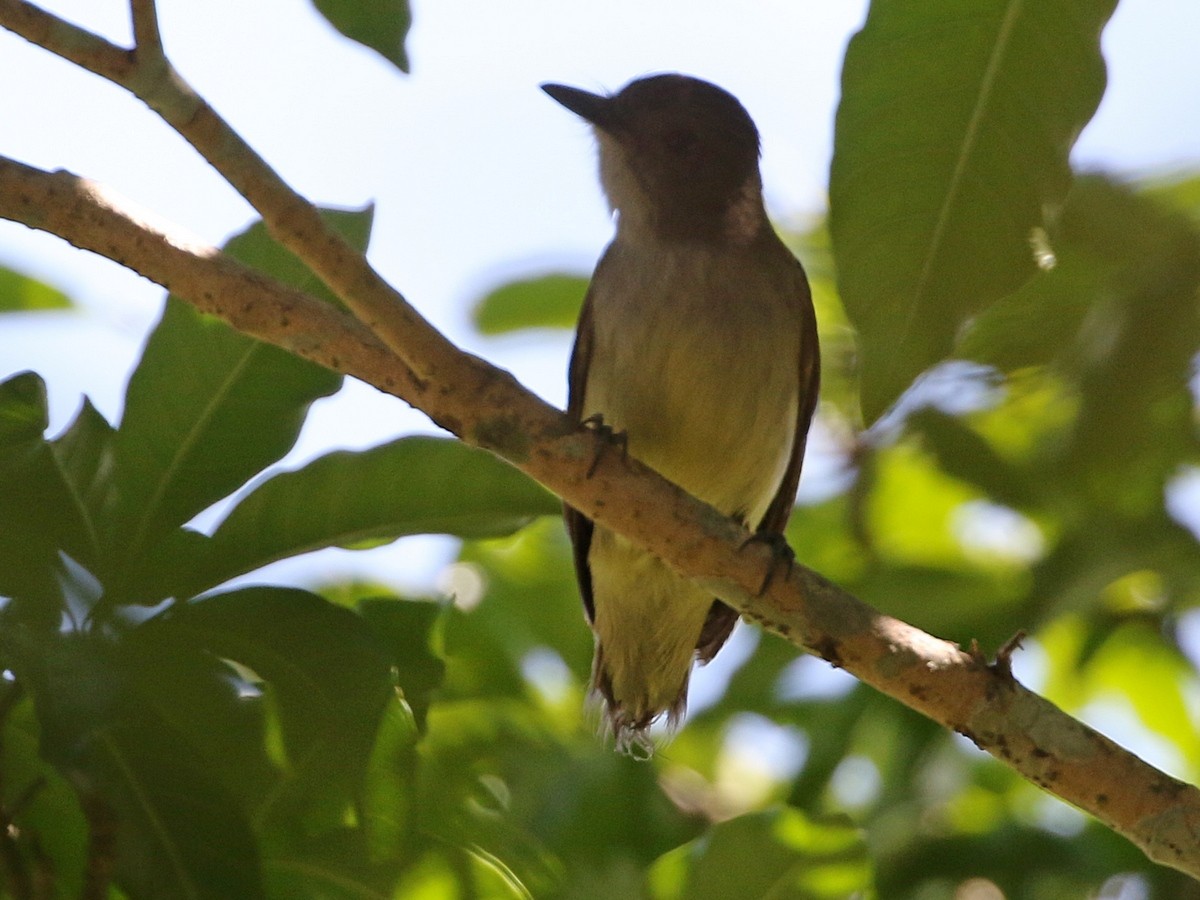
point(608, 437)
point(781, 555)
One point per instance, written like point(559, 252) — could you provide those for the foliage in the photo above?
point(951, 148)
point(229, 735)
point(218, 738)
point(381, 25)
point(19, 293)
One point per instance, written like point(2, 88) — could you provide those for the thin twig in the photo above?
point(147, 40)
point(62, 38)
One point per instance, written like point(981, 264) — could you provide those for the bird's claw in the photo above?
point(781, 554)
point(608, 437)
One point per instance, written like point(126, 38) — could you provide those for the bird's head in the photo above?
point(677, 154)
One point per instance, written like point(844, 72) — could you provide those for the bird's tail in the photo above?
point(628, 720)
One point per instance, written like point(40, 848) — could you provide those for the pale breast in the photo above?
point(696, 357)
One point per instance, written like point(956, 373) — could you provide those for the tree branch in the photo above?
point(147, 39)
point(400, 353)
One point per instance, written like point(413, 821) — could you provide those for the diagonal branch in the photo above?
point(396, 350)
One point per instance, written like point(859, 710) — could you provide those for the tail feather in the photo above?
point(628, 720)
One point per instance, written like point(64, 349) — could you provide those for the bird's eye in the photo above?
point(680, 141)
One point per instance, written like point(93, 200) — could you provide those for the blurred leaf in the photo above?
point(405, 628)
point(839, 350)
point(1178, 191)
point(326, 874)
point(179, 834)
point(954, 604)
point(792, 857)
point(1158, 684)
point(328, 674)
point(548, 301)
point(484, 763)
point(255, 247)
point(49, 828)
point(234, 405)
point(1120, 257)
point(964, 454)
point(830, 727)
point(24, 415)
point(20, 293)
point(821, 536)
point(1038, 323)
point(461, 873)
point(39, 516)
point(388, 796)
point(605, 805)
point(381, 25)
point(193, 691)
point(416, 485)
point(1144, 330)
point(1022, 860)
point(951, 143)
point(529, 601)
point(1101, 412)
point(185, 837)
point(912, 509)
point(85, 454)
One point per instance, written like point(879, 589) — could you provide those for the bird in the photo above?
point(697, 346)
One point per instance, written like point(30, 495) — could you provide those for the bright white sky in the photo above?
point(477, 176)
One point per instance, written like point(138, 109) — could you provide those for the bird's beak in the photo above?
point(594, 108)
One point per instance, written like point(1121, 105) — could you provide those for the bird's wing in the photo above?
point(579, 526)
point(780, 509)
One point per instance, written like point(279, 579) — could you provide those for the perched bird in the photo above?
point(698, 342)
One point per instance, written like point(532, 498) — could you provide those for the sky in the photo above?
point(476, 175)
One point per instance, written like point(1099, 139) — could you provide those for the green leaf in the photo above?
point(965, 455)
point(336, 867)
point(325, 669)
point(406, 629)
point(605, 800)
point(208, 407)
point(381, 25)
point(49, 824)
point(1134, 360)
point(187, 838)
point(1178, 190)
point(388, 816)
point(84, 453)
point(416, 485)
point(39, 518)
point(196, 693)
point(794, 858)
point(548, 301)
point(24, 415)
point(20, 293)
point(911, 509)
point(257, 248)
point(951, 144)
point(178, 832)
point(530, 601)
point(1157, 683)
